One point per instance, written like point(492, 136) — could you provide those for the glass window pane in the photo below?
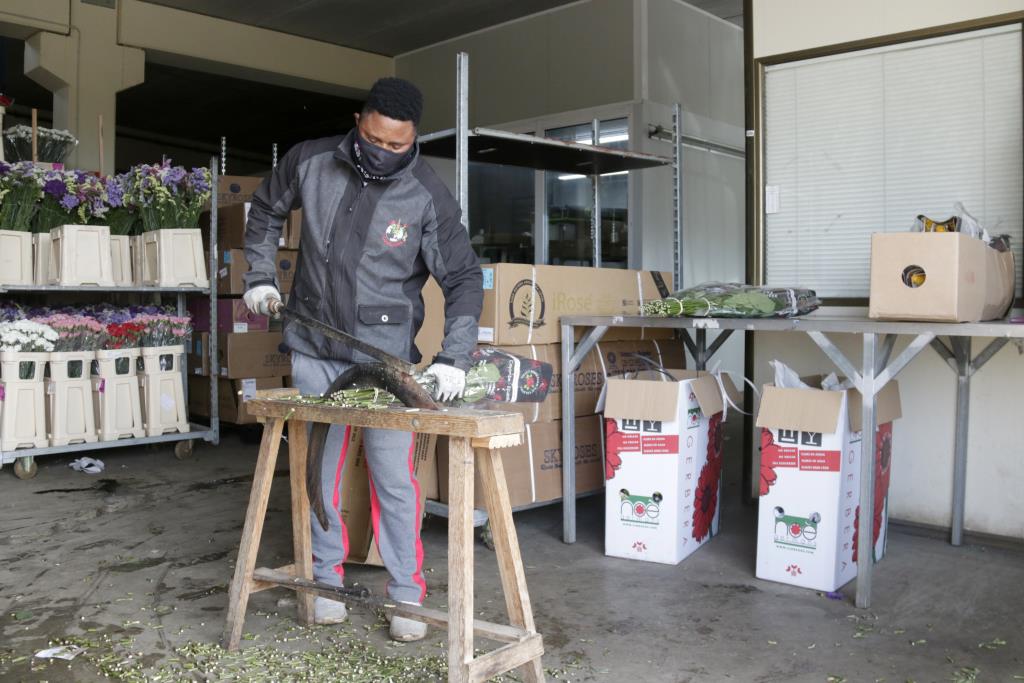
point(569, 200)
point(501, 212)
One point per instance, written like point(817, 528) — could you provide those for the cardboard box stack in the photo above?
point(522, 307)
point(810, 481)
point(250, 354)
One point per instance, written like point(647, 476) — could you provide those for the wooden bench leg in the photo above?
point(460, 559)
point(506, 547)
point(241, 584)
point(298, 437)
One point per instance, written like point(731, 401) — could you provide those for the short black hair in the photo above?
point(397, 99)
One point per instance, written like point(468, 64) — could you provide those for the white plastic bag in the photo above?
point(786, 377)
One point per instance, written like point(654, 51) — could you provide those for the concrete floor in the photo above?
point(134, 563)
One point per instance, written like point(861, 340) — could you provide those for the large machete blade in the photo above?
point(347, 339)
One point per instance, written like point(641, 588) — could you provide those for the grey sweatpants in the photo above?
point(394, 494)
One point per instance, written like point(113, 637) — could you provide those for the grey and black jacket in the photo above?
point(365, 251)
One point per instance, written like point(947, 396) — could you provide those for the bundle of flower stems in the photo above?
point(479, 380)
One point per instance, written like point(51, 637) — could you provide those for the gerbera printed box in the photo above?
point(810, 483)
point(663, 465)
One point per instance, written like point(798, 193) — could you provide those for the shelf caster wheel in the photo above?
point(183, 450)
point(25, 468)
point(486, 537)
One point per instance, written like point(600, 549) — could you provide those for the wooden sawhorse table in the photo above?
point(474, 436)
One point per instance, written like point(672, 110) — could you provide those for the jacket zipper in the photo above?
point(351, 208)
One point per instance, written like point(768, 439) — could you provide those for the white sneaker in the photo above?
point(327, 611)
point(407, 630)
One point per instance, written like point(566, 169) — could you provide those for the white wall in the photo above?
point(782, 26)
point(619, 57)
point(695, 59)
point(921, 488)
point(570, 58)
point(922, 476)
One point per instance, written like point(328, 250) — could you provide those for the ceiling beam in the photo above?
point(197, 41)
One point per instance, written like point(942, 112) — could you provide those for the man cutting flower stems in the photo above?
point(377, 221)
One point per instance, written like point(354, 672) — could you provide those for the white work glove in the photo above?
point(258, 299)
point(451, 381)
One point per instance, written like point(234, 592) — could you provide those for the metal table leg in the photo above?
point(876, 371)
point(865, 535)
point(700, 350)
point(959, 359)
point(962, 352)
point(571, 359)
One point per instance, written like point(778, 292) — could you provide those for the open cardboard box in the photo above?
point(663, 446)
point(810, 482)
point(965, 280)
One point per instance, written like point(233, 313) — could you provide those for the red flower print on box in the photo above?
point(706, 500)
point(769, 452)
point(883, 470)
point(612, 446)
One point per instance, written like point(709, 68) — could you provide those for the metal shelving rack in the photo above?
point(489, 145)
point(23, 459)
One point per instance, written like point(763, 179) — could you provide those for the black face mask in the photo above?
point(376, 162)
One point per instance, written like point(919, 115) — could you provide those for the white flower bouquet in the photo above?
point(52, 145)
point(25, 336)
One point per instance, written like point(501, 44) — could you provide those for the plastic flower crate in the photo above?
point(116, 398)
point(173, 258)
point(41, 258)
point(70, 410)
point(22, 396)
point(121, 260)
point(163, 391)
point(80, 255)
point(16, 257)
point(138, 262)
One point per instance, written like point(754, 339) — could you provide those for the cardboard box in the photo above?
point(533, 470)
point(250, 354)
point(606, 359)
point(231, 397)
point(231, 220)
point(810, 483)
point(198, 355)
point(355, 492)
point(569, 290)
point(292, 230)
point(664, 454)
point(234, 265)
point(236, 189)
point(232, 316)
point(231, 225)
point(523, 303)
point(432, 333)
point(965, 280)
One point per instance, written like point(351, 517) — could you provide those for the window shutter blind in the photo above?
point(864, 142)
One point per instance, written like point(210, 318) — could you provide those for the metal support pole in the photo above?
point(701, 358)
point(214, 364)
point(568, 436)
point(462, 134)
point(182, 311)
point(865, 525)
point(962, 353)
point(223, 155)
point(677, 196)
point(595, 213)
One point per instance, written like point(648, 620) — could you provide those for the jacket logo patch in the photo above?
point(396, 234)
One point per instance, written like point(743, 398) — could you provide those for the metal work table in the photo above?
point(877, 368)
